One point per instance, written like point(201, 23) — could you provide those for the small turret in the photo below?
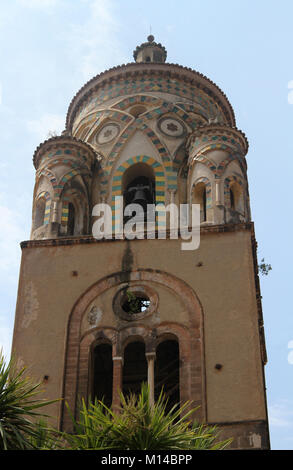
point(150, 52)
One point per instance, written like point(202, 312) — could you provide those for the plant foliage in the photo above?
point(18, 408)
point(139, 425)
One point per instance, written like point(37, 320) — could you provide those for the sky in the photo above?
point(50, 48)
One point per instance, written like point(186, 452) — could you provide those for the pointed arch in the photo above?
point(108, 168)
point(230, 158)
point(67, 177)
point(48, 174)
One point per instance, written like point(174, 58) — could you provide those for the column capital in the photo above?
point(150, 355)
point(117, 358)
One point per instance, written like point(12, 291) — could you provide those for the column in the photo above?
point(117, 381)
point(54, 226)
point(151, 375)
point(218, 194)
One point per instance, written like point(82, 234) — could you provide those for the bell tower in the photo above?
point(96, 316)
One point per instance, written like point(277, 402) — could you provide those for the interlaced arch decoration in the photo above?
point(171, 175)
point(219, 169)
point(49, 175)
point(151, 84)
point(136, 99)
point(141, 124)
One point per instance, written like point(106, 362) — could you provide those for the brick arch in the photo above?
point(191, 338)
point(130, 334)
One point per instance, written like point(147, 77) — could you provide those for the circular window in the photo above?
point(107, 133)
point(135, 302)
point(171, 127)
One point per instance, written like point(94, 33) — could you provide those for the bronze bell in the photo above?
point(140, 195)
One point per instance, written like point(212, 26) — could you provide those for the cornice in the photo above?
point(58, 142)
point(211, 130)
point(89, 239)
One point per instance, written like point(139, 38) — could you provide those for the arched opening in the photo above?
point(103, 373)
point(40, 212)
point(232, 199)
point(138, 185)
point(199, 196)
point(167, 371)
point(71, 219)
point(236, 198)
point(134, 368)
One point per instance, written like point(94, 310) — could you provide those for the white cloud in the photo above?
point(94, 45)
point(46, 125)
point(37, 3)
point(281, 414)
point(5, 338)
point(290, 354)
point(11, 234)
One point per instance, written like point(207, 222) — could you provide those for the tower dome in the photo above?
point(172, 124)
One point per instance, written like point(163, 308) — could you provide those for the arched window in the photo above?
point(232, 199)
point(199, 196)
point(71, 219)
point(139, 188)
point(236, 197)
point(167, 371)
point(134, 368)
point(40, 212)
point(103, 373)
